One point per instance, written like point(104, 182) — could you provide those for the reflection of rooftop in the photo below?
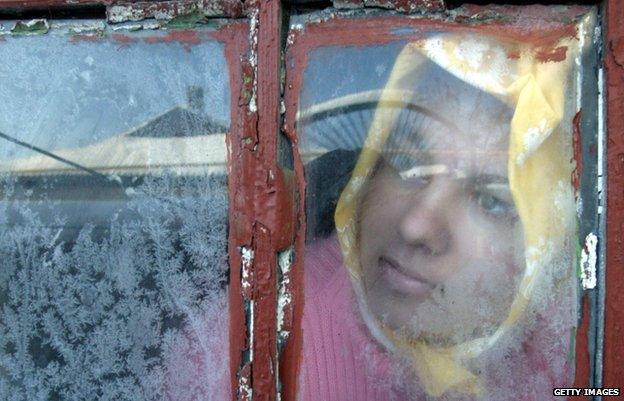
point(178, 122)
point(109, 179)
point(181, 140)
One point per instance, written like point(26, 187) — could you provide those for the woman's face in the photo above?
point(441, 245)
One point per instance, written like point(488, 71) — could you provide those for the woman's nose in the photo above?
point(425, 224)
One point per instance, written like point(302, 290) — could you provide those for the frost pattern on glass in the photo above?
point(132, 315)
point(113, 253)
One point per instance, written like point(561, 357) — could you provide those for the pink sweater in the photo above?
point(342, 362)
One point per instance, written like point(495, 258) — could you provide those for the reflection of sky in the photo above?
point(338, 70)
point(432, 87)
point(333, 72)
point(58, 94)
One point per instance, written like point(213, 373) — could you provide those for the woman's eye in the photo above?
point(493, 205)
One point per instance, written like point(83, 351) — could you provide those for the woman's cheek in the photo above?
point(508, 252)
point(378, 219)
point(379, 215)
point(492, 257)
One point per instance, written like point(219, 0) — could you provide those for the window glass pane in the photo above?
point(113, 269)
point(441, 215)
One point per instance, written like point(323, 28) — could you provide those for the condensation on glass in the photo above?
point(440, 258)
point(113, 268)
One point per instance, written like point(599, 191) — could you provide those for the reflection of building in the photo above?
point(182, 140)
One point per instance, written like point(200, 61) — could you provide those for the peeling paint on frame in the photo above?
point(588, 262)
point(96, 30)
point(247, 256)
point(170, 10)
point(253, 59)
point(284, 301)
point(284, 297)
point(32, 27)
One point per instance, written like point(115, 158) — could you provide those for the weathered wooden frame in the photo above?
point(266, 212)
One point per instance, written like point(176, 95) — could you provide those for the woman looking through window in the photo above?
point(450, 273)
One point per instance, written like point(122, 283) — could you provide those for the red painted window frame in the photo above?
point(613, 365)
point(262, 211)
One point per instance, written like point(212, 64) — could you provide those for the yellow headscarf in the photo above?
point(539, 170)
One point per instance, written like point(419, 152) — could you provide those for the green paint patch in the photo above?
point(187, 20)
point(579, 252)
point(33, 27)
point(572, 349)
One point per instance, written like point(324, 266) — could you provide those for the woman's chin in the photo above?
point(409, 322)
point(393, 312)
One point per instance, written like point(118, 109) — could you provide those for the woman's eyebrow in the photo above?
point(425, 171)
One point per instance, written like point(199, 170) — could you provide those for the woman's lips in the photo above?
point(396, 277)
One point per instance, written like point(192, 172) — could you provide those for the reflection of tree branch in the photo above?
point(55, 157)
